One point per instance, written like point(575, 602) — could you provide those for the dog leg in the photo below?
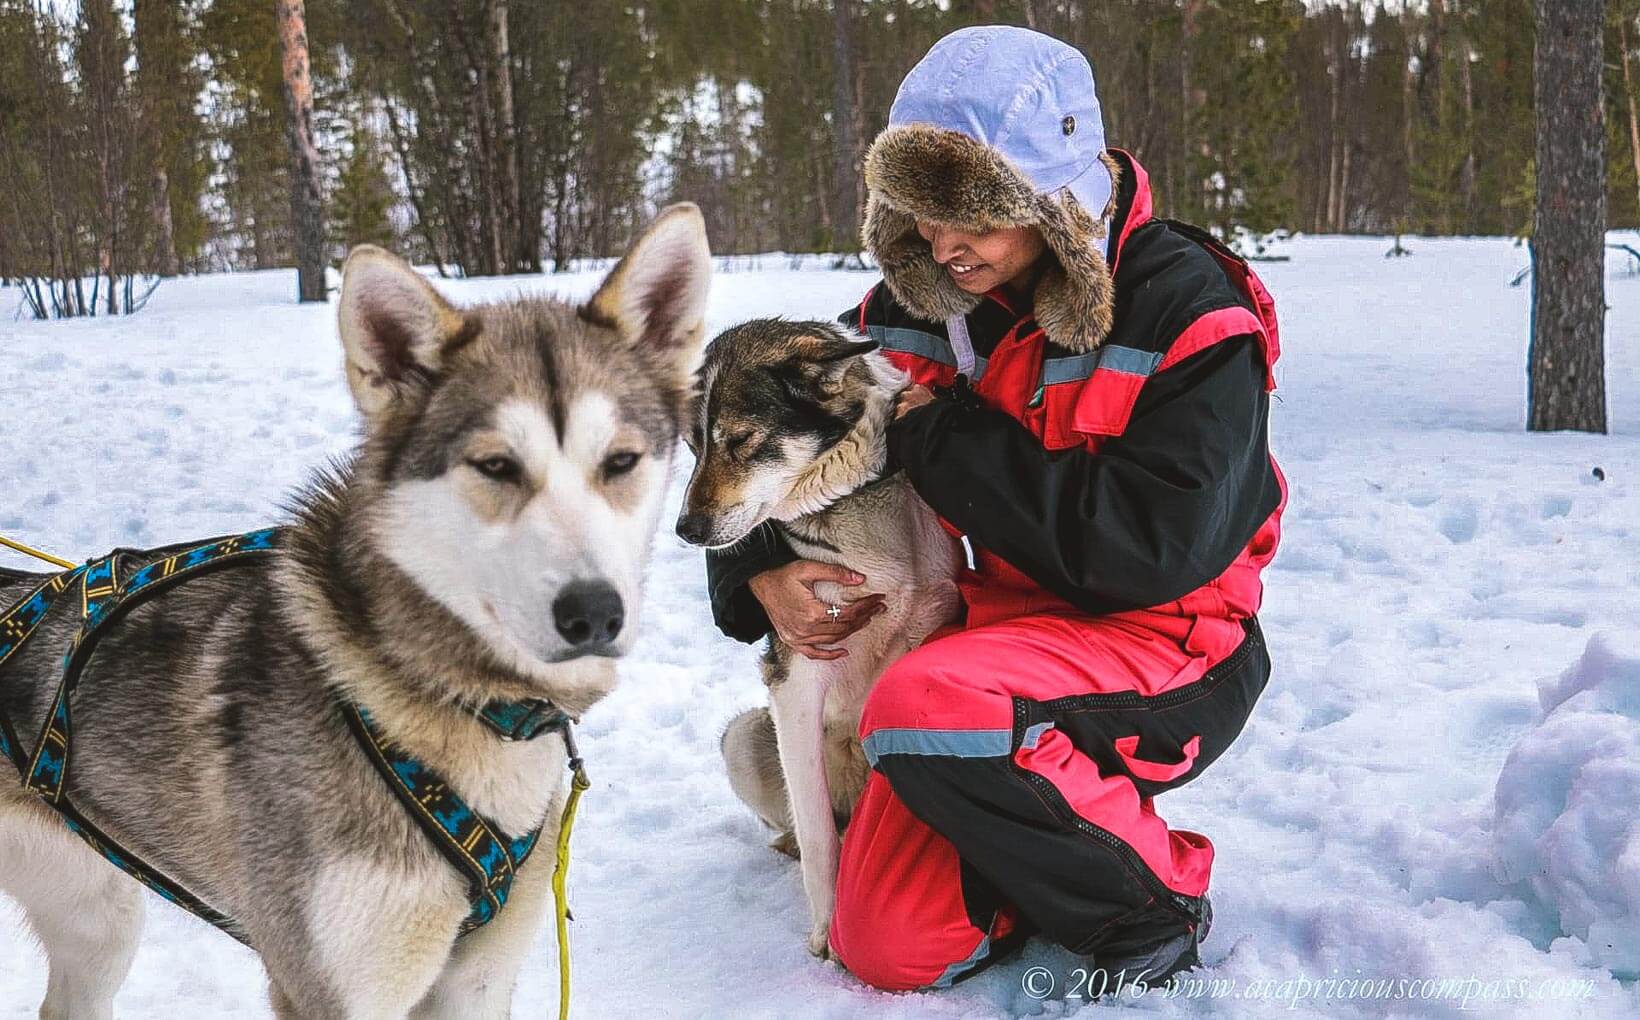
point(377, 935)
point(86, 914)
point(796, 705)
point(477, 981)
point(752, 755)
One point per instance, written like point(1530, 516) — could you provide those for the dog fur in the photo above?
point(791, 429)
point(511, 451)
point(919, 172)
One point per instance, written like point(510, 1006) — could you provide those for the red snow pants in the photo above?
point(1014, 766)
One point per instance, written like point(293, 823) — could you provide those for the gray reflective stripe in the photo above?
point(1080, 366)
point(924, 345)
point(956, 327)
point(1034, 734)
point(946, 743)
point(1058, 370)
point(961, 967)
point(1129, 360)
point(913, 341)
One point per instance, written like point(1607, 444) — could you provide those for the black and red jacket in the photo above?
point(1135, 478)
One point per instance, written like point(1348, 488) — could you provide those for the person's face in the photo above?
point(977, 263)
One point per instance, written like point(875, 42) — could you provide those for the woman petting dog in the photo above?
point(1088, 413)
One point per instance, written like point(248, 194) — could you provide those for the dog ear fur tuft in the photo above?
point(821, 348)
point(394, 327)
point(656, 295)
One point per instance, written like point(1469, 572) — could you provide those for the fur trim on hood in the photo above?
point(921, 172)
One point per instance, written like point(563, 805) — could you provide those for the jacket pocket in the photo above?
point(1156, 772)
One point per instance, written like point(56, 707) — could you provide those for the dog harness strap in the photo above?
point(19, 621)
point(159, 883)
point(48, 768)
point(474, 845)
point(17, 624)
point(104, 599)
point(522, 720)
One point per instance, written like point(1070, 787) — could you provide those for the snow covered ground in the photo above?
point(1438, 562)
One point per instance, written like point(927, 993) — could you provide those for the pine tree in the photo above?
point(1246, 123)
point(168, 85)
point(362, 200)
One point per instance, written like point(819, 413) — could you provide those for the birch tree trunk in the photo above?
point(520, 240)
point(1628, 93)
point(306, 213)
point(1566, 362)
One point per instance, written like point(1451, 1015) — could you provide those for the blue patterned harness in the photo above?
point(474, 845)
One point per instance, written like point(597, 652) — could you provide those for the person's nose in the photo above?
point(945, 244)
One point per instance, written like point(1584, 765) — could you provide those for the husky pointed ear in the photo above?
point(395, 327)
point(656, 295)
point(831, 345)
point(823, 354)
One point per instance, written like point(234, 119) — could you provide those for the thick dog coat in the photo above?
point(487, 541)
point(790, 431)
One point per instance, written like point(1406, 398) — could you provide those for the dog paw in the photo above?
point(786, 843)
point(820, 941)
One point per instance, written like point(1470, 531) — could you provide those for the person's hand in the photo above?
point(805, 622)
point(910, 398)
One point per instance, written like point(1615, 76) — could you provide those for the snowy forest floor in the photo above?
point(1437, 562)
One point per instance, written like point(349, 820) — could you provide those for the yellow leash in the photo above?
point(579, 784)
point(37, 554)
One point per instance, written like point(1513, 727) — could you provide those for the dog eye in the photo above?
point(736, 444)
point(617, 464)
point(498, 468)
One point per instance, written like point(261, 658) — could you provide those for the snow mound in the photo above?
point(1568, 806)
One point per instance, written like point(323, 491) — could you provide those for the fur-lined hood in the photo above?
point(997, 127)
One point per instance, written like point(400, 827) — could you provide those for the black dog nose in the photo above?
point(588, 613)
point(692, 528)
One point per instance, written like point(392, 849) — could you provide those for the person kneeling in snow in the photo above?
point(1089, 411)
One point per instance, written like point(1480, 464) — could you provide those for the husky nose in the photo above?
point(692, 528)
point(588, 613)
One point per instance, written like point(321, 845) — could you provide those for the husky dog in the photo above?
point(487, 540)
point(791, 429)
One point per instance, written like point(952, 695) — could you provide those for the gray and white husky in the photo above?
point(488, 540)
point(791, 429)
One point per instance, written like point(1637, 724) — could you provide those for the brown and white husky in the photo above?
point(791, 429)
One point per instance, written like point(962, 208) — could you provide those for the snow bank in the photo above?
point(1568, 806)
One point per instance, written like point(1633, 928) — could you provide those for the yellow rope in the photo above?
point(37, 554)
point(578, 786)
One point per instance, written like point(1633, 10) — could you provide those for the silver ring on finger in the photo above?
point(834, 611)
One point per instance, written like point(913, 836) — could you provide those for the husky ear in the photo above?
point(830, 346)
point(656, 295)
point(824, 354)
point(394, 325)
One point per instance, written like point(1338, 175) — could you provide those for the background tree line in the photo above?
point(141, 138)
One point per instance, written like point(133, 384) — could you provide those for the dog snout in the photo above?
point(692, 527)
point(588, 614)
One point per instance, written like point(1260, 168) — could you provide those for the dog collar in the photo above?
point(523, 720)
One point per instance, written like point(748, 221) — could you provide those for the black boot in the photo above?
point(1128, 961)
